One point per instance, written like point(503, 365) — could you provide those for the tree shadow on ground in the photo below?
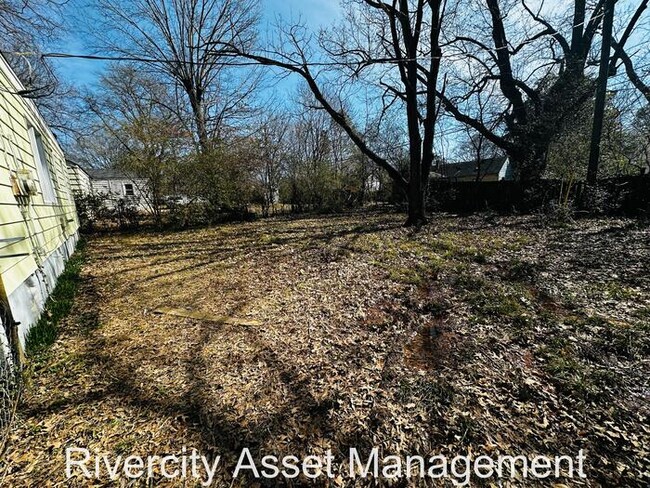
point(219, 431)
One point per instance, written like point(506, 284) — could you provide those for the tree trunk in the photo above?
point(201, 129)
point(416, 202)
point(529, 161)
point(195, 96)
point(601, 93)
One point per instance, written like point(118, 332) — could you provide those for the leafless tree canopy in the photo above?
point(26, 26)
point(535, 62)
point(392, 46)
point(391, 82)
point(23, 20)
point(178, 36)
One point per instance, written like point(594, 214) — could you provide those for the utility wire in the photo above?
point(139, 59)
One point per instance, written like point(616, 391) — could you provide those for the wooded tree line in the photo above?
point(388, 91)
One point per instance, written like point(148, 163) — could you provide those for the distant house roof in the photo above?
point(109, 174)
point(464, 169)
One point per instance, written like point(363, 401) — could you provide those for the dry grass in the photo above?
point(495, 336)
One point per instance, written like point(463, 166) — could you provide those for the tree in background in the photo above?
point(223, 178)
point(515, 80)
point(568, 154)
point(271, 138)
point(132, 111)
point(538, 60)
point(478, 148)
point(310, 180)
point(324, 170)
point(29, 19)
point(178, 38)
point(26, 26)
point(389, 47)
point(636, 141)
point(635, 59)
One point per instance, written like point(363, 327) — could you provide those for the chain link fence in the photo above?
point(10, 387)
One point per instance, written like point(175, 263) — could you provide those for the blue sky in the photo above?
point(84, 73)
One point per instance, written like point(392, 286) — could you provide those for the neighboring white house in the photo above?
point(79, 178)
point(488, 169)
point(116, 185)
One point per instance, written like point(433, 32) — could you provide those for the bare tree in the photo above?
point(310, 159)
point(176, 38)
point(635, 75)
point(272, 138)
point(538, 62)
point(475, 144)
point(480, 150)
point(391, 46)
point(26, 25)
point(148, 141)
point(636, 145)
point(21, 20)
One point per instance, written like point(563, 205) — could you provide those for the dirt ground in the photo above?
point(484, 334)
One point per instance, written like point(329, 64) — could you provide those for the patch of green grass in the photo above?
point(577, 379)
point(517, 242)
point(408, 276)
point(494, 303)
point(449, 248)
point(617, 291)
point(425, 268)
point(643, 313)
point(268, 239)
point(603, 338)
point(522, 331)
point(124, 446)
point(42, 335)
point(613, 290)
point(473, 254)
point(570, 378)
point(375, 245)
point(471, 282)
point(67, 363)
point(431, 393)
point(520, 271)
point(570, 300)
point(467, 247)
point(443, 244)
point(577, 356)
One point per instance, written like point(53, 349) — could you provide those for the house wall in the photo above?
point(114, 189)
point(504, 172)
point(79, 179)
point(36, 236)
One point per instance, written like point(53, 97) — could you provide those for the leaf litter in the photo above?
point(495, 335)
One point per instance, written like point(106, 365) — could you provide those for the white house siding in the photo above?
point(37, 235)
point(79, 179)
point(504, 172)
point(114, 189)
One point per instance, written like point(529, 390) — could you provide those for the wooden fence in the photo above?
point(629, 195)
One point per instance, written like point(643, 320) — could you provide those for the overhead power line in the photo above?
point(151, 60)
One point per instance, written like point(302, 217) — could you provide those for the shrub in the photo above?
point(90, 209)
